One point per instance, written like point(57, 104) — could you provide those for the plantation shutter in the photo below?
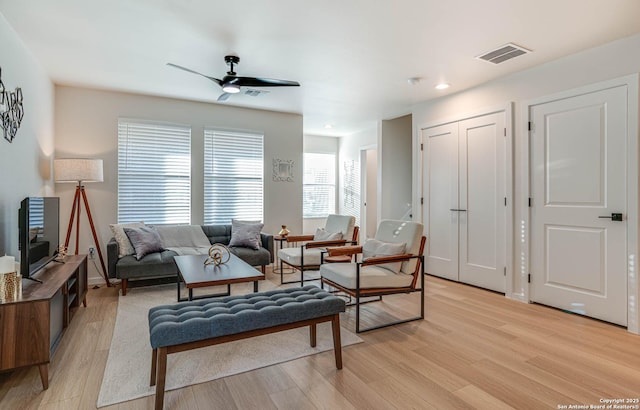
point(233, 176)
point(154, 173)
point(319, 185)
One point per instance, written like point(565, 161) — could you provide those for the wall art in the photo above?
point(11, 110)
point(282, 170)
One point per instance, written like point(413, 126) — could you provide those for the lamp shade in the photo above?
point(77, 170)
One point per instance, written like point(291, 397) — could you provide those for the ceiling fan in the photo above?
point(231, 83)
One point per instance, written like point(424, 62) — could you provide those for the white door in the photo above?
point(578, 180)
point(440, 195)
point(464, 192)
point(482, 192)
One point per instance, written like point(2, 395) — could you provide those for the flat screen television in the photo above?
point(39, 233)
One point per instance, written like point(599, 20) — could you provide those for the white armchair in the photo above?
point(392, 263)
point(338, 230)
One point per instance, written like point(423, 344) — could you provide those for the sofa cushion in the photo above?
point(152, 265)
point(254, 257)
point(145, 240)
point(217, 233)
point(245, 234)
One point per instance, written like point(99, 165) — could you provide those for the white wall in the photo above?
point(86, 126)
point(25, 164)
point(602, 63)
point(395, 169)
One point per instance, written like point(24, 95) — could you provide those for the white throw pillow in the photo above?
point(124, 244)
point(375, 248)
point(323, 235)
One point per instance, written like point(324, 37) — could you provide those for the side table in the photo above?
point(279, 269)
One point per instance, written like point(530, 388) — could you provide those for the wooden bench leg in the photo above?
point(161, 374)
point(154, 361)
point(312, 335)
point(337, 344)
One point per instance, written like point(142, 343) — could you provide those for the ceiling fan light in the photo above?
point(231, 88)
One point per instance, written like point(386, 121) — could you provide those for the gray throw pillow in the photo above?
point(246, 235)
point(124, 244)
point(145, 240)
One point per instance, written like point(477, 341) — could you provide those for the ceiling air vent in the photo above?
point(254, 93)
point(504, 53)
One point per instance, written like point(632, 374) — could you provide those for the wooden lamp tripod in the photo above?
point(79, 170)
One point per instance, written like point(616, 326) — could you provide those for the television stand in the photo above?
point(33, 279)
point(32, 326)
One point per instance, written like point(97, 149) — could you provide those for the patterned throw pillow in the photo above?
point(124, 244)
point(145, 240)
point(246, 234)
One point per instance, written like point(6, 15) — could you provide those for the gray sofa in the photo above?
point(161, 264)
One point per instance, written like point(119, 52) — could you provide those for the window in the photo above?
point(351, 189)
point(154, 173)
point(233, 176)
point(319, 185)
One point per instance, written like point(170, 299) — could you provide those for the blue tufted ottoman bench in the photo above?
point(191, 325)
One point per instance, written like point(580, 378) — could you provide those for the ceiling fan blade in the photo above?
point(263, 82)
point(215, 80)
point(224, 97)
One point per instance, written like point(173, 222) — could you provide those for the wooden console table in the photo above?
point(32, 326)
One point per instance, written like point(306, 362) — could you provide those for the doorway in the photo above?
point(369, 184)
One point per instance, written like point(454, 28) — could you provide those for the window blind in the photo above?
point(154, 173)
point(233, 176)
point(319, 185)
point(351, 189)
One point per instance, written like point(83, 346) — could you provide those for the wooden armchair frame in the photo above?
point(359, 292)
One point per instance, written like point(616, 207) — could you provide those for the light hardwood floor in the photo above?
point(475, 349)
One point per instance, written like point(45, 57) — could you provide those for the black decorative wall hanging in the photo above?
point(11, 110)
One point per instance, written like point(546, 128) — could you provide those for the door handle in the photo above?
point(613, 217)
point(458, 210)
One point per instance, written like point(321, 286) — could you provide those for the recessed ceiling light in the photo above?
point(442, 86)
point(328, 126)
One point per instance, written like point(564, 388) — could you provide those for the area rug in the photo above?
point(126, 375)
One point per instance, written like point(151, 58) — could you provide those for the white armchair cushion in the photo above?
point(371, 277)
point(292, 256)
point(341, 223)
point(374, 248)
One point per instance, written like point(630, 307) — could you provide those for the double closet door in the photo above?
point(464, 200)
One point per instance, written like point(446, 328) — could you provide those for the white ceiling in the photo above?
point(352, 57)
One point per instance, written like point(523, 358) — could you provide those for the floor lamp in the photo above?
point(80, 170)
